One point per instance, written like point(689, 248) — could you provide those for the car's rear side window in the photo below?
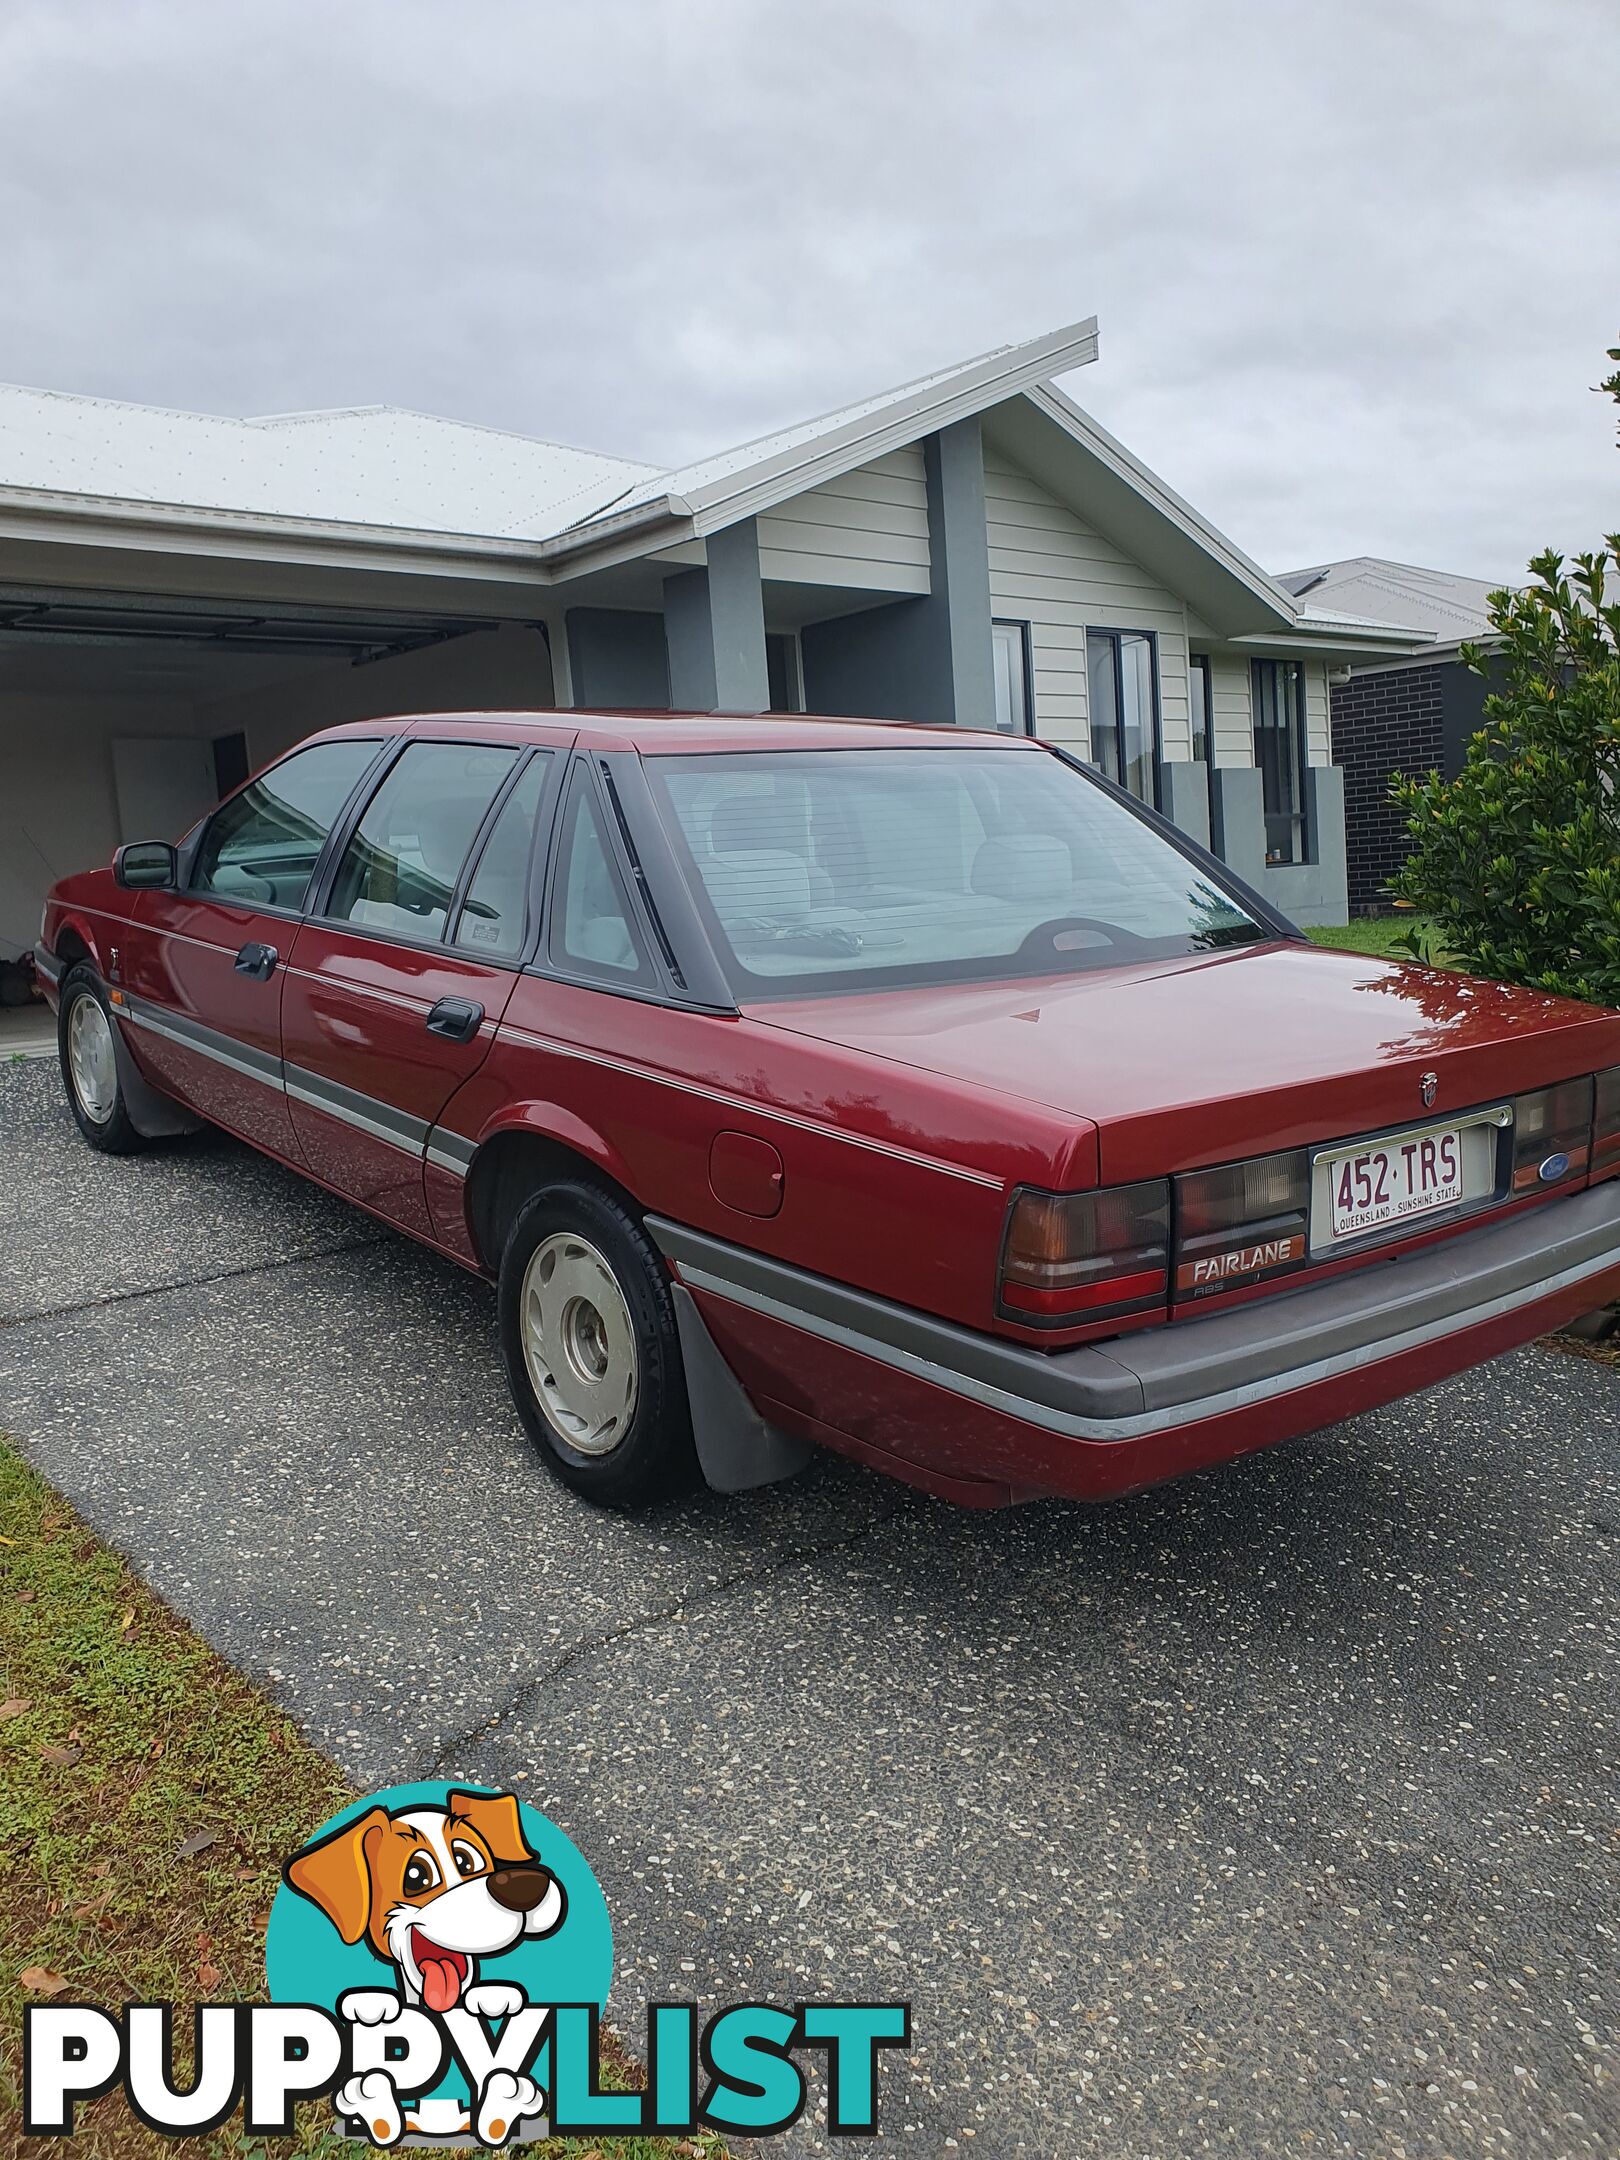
point(261, 847)
point(591, 928)
point(494, 916)
point(404, 859)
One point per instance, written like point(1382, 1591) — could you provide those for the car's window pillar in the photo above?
point(661, 889)
point(403, 867)
point(538, 769)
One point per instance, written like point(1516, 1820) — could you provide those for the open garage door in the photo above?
point(124, 716)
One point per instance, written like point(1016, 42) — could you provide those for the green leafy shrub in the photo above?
point(1516, 862)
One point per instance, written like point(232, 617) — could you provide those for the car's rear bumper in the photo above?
point(991, 1420)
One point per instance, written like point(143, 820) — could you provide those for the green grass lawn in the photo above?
point(148, 1796)
point(1373, 934)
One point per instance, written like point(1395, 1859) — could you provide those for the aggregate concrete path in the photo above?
point(1272, 1813)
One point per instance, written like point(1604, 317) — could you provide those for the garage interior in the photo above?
point(126, 715)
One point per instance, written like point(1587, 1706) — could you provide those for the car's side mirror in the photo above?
point(146, 865)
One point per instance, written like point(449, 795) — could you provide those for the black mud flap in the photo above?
point(736, 1449)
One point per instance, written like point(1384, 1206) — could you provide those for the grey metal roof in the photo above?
point(374, 465)
point(1368, 588)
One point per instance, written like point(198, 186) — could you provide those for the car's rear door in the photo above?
point(403, 969)
point(201, 972)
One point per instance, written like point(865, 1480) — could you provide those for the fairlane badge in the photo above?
point(1218, 1268)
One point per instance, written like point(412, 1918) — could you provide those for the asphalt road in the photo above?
point(1273, 1813)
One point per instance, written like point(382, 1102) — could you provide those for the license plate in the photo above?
point(1403, 1177)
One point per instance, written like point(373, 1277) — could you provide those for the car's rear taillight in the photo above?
point(1069, 1259)
point(1552, 1132)
point(1606, 1125)
point(1241, 1223)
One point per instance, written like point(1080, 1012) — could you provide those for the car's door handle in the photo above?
point(457, 1019)
point(259, 961)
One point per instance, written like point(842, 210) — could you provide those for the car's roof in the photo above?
point(670, 732)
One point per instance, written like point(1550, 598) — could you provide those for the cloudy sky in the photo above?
point(1355, 261)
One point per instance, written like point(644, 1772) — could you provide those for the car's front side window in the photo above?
point(402, 864)
point(260, 848)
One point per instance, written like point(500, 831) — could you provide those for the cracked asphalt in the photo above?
point(1272, 1813)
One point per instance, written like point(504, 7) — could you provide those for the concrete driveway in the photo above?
point(1272, 1813)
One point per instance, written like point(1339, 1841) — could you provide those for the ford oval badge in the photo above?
point(1555, 1167)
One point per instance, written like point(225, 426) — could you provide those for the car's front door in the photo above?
point(399, 977)
point(201, 978)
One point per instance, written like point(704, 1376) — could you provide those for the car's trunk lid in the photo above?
point(1219, 1056)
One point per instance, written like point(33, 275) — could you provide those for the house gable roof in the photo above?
point(394, 482)
point(1076, 458)
point(720, 490)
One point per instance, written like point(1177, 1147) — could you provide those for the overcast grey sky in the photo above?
point(1355, 261)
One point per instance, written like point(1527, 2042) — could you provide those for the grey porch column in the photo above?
point(1237, 821)
point(714, 627)
point(930, 658)
point(1184, 799)
point(957, 609)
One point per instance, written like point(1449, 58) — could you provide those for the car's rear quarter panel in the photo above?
point(894, 1181)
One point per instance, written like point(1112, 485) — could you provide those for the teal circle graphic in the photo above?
point(306, 1960)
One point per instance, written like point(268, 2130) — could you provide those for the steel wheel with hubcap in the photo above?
point(89, 1057)
point(92, 1065)
point(578, 1343)
point(589, 1339)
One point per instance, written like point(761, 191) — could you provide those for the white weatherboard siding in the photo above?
point(1232, 708)
point(1318, 732)
point(1232, 699)
point(867, 529)
point(1050, 569)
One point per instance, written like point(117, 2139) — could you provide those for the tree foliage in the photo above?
point(1517, 860)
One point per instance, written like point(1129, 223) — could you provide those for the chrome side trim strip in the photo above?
point(449, 1152)
point(364, 1112)
point(189, 1034)
point(360, 1120)
point(378, 1120)
point(47, 965)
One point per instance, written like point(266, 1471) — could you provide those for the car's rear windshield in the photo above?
point(836, 870)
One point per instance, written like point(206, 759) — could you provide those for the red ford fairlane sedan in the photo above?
point(909, 1092)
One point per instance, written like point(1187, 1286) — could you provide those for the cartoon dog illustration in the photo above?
point(432, 1890)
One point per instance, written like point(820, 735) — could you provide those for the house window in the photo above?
point(1011, 648)
point(783, 671)
point(1123, 700)
point(1278, 690)
point(1198, 705)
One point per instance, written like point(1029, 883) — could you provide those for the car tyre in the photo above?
point(592, 1354)
point(87, 1046)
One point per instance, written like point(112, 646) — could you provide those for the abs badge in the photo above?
point(438, 1960)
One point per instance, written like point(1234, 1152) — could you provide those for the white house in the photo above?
point(182, 596)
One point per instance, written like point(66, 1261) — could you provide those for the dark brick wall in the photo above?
point(1383, 724)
